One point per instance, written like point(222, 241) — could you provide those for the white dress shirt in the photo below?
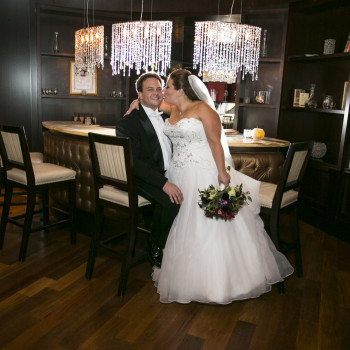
point(158, 124)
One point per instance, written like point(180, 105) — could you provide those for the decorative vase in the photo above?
point(328, 102)
point(311, 102)
point(56, 44)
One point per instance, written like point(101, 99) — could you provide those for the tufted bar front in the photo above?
point(262, 166)
point(72, 151)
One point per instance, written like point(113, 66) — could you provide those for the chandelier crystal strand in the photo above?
point(142, 45)
point(223, 49)
point(89, 49)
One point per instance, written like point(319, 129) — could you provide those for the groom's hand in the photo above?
point(173, 192)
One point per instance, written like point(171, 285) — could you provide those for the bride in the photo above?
point(208, 260)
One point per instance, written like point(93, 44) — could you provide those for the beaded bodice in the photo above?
point(190, 145)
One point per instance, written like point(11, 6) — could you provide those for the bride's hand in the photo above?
point(133, 105)
point(224, 178)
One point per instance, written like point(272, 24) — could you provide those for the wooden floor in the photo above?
point(46, 303)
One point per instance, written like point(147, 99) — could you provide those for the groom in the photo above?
point(151, 151)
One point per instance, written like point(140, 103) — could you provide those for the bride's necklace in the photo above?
point(187, 107)
point(181, 113)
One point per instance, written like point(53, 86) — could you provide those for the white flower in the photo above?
point(222, 187)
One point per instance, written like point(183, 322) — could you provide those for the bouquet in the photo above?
point(223, 202)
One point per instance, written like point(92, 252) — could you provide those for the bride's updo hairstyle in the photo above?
point(180, 81)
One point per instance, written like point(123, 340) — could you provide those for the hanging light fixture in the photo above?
point(222, 49)
point(143, 45)
point(89, 49)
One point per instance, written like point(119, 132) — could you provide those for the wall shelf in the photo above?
point(84, 97)
point(58, 54)
point(315, 110)
point(65, 55)
point(256, 105)
point(319, 58)
point(269, 60)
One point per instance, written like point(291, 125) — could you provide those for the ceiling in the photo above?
point(172, 7)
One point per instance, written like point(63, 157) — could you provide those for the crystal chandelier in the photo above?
point(222, 49)
point(143, 45)
point(89, 49)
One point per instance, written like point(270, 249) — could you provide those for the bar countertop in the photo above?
point(77, 128)
point(235, 140)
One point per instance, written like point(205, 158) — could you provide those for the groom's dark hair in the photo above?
point(143, 77)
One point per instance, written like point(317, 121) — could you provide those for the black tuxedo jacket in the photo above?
point(146, 149)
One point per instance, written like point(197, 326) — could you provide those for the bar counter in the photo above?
point(235, 140)
point(77, 128)
point(66, 144)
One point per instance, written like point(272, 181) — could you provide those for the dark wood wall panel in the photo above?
point(15, 82)
point(250, 119)
point(107, 112)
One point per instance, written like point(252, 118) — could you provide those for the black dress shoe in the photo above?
point(155, 254)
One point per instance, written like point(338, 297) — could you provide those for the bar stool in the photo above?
point(115, 187)
point(283, 196)
point(36, 158)
point(33, 177)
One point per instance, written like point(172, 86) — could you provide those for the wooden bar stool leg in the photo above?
point(73, 211)
point(31, 198)
point(274, 230)
point(2, 181)
point(297, 248)
point(126, 265)
point(44, 202)
point(95, 236)
point(5, 212)
point(280, 286)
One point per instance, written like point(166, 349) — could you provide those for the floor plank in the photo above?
point(46, 303)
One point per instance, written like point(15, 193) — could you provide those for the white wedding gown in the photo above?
point(208, 260)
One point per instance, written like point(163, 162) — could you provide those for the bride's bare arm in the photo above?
point(133, 105)
point(165, 107)
point(212, 127)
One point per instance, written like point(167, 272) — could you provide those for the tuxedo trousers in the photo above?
point(164, 212)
